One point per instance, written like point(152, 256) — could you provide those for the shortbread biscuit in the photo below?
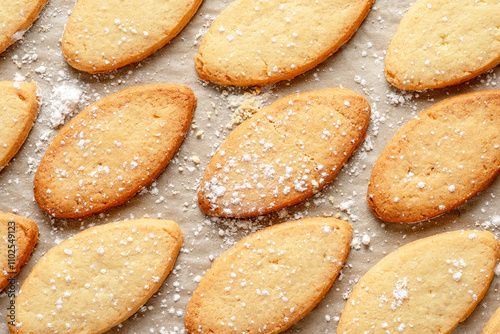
point(18, 110)
point(493, 325)
point(270, 279)
point(19, 237)
point(439, 159)
point(16, 16)
point(113, 149)
point(428, 286)
point(261, 43)
point(103, 36)
point(98, 278)
point(441, 43)
point(284, 153)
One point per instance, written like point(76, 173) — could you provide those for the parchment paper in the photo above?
point(358, 65)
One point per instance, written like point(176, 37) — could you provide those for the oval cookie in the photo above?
point(18, 110)
point(16, 17)
point(19, 236)
point(101, 37)
point(439, 159)
point(270, 279)
point(427, 286)
point(441, 43)
point(261, 43)
point(113, 149)
point(284, 153)
point(98, 278)
point(493, 325)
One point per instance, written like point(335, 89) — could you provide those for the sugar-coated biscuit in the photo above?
point(19, 237)
point(16, 16)
point(284, 153)
point(18, 110)
point(427, 286)
point(113, 149)
point(493, 325)
point(98, 278)
point(270, 279)
point(439, 159)
point(101, 36)
point(261, 43)
point(441, 43)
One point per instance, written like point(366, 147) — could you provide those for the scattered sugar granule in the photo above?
point(400, 293)
point(366, 239)
point(63, 103)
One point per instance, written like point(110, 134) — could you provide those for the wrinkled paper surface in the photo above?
point(358, 65)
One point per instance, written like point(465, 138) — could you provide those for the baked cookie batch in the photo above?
point(282, 155)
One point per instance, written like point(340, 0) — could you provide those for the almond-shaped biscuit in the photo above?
point(270, 279)
point(284, 153)
point(439, 159)
point(103, 36)
point(441, 43)
point(98, 278)
point(16, 16)
point(493, 325)
point(427, 286)
point(19, 237)
point(18, 110)
point(113, 149)
point(261, 43)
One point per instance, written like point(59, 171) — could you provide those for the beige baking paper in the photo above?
point(358, 65)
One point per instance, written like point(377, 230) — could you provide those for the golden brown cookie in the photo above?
point(103, 36)
point(284, 153)
point(493, 325)
point(270, 279)
point(113, 149)
point(16, 16)
point(261, 43)
point(19, 237)
point(98, 278)
point(439, 159)
point(427, 286)
point(18, 110)
point(444, 42)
